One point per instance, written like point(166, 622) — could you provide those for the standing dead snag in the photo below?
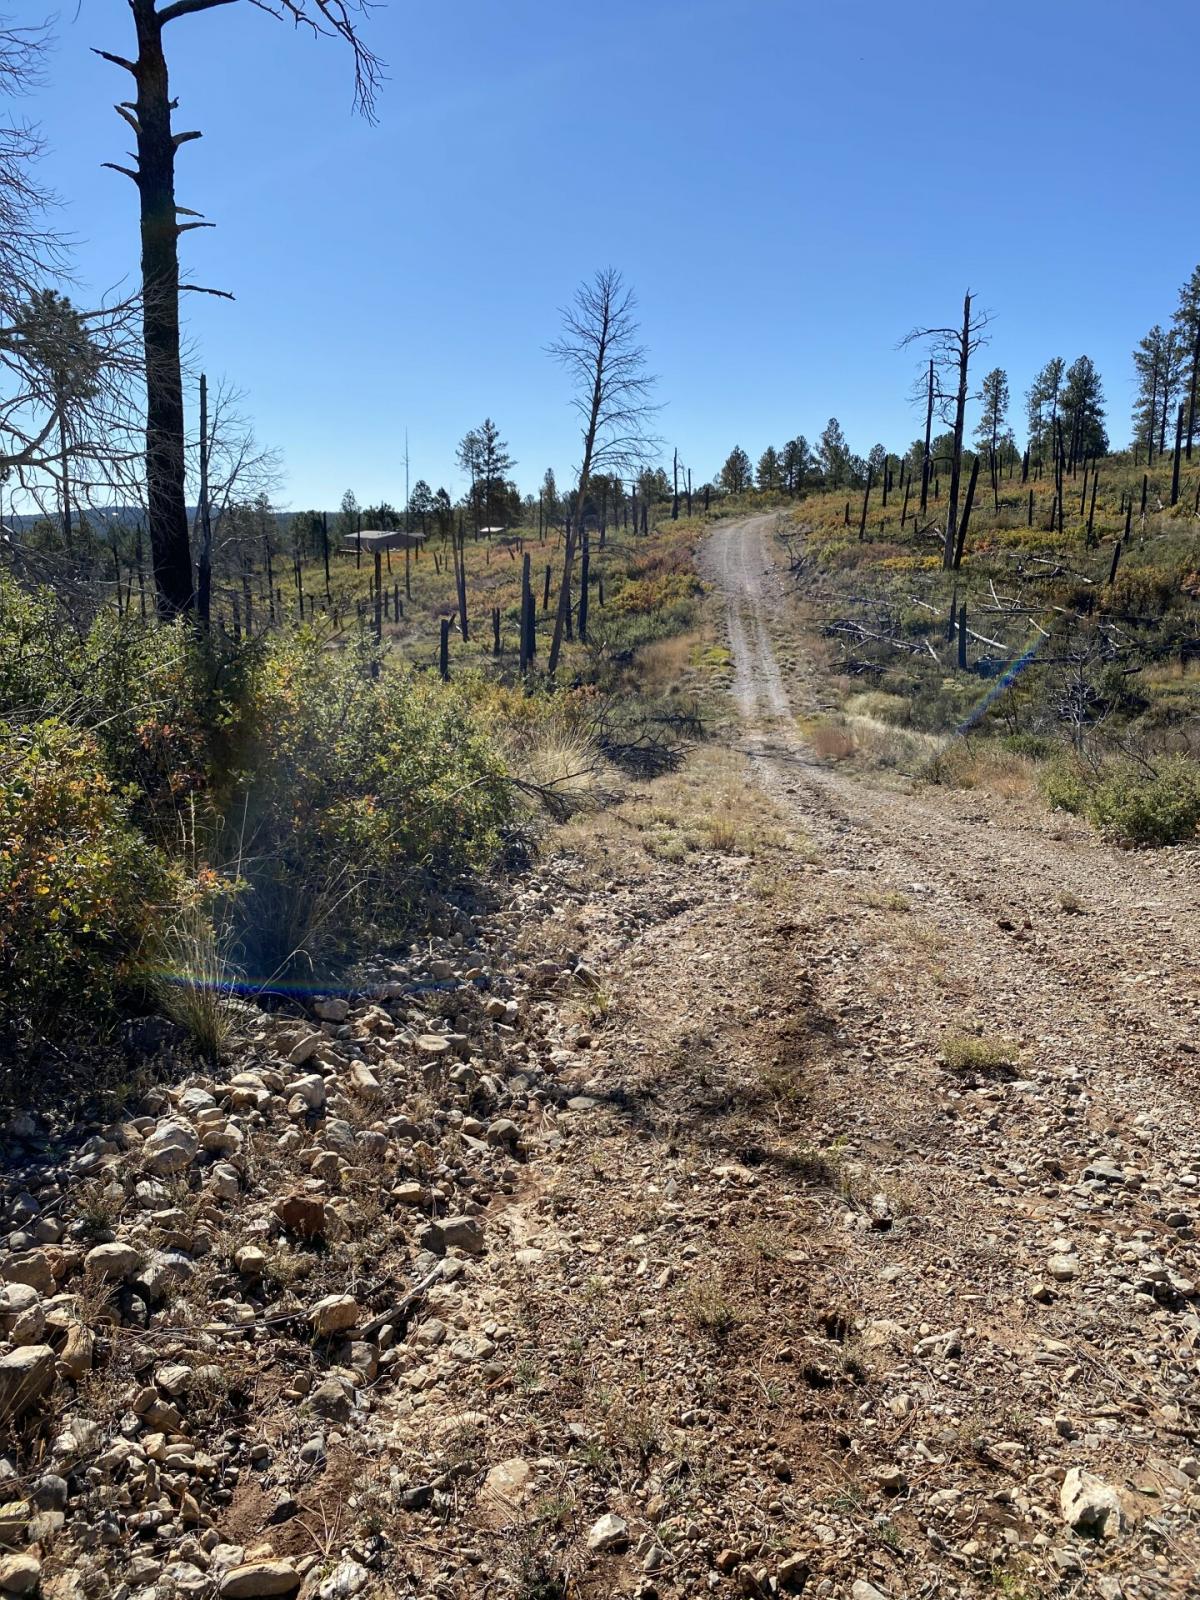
point(925, 458)
point(951, 350)
point(600, 351)
point(149, 115)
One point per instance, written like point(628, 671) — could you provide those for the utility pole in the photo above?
point(406, 521)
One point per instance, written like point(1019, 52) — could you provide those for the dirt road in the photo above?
point(1126, 970)
point(974, 1305)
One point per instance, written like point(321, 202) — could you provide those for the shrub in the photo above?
point(1035, 746)
point(79, 888)
point(1064, 787)
point(971, 1053)
point(152, 781)
point(1149, 807)
point(1132, 802)
point(350, 790)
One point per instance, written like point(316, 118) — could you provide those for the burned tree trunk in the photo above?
point(585, 565)
point(149, 115)
point(925, 461)
point(1175, 463)
point(526, 608)
point(1091, 521)
point(953, 543)
point(204, 572)
point(966, 516)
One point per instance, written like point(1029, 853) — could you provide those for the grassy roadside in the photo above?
point(1079, 677)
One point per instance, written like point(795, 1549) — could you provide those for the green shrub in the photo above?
point(1132, 802)
point(79, 888)
point(1037, 746)
point(351, 790)
point(1149, 807)
point(1064, 786)
point(156, 785)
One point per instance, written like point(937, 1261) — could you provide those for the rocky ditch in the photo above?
point(209, 1305)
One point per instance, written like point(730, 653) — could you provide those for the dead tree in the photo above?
point(153, 174)
point(600, 351)
point(925, 459)
point(966, 516)
point(526, 610)
point(951, 350)
point(1091, 521)
point(204, 566)
point(585, 567)
point(862, 521)
point(1175, 463)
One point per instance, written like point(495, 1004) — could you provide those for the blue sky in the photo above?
point(788, 186)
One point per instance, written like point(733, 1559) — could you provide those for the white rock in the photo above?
point(610, 1533)
point(305, 1048)
point(255, 1579)
point(334, 1314)
point(114, 1262)
point(25, 1376)
point(347, 1578)
point(310, 1088)
point(1090, 1505)
point(170, 1148)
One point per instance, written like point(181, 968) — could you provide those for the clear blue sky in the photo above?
point(788, 185)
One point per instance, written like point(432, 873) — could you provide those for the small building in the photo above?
point(371, 540)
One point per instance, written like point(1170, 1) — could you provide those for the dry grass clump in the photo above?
point(872, 741)
point(980, 764)
point(980, 1053)
point(707, 1308)
point(832, 741)
point(561, 770)
point(190, 980)
point(709, 804)
point(886, 899)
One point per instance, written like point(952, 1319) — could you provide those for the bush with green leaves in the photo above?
point(1064, 786)
point(1153, 806)
point(355, 782)
point(79, 886)
point(301, 797)
point(1135, 802)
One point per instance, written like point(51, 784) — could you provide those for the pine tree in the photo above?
point(769, 475)
point(420, 502)
point(1083, 412)
point(483, 456)
point(994, 397)
point(1149, 362)
point(735, 474)
point(348, 522)
point(796, 463)
point(550, 501)
point(1187, 325)
point(834, 455)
